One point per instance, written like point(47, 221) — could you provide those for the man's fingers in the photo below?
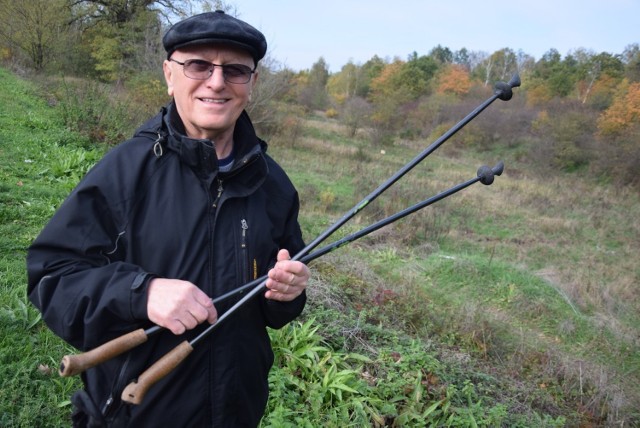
point(206, 313)
point(210, 314)
point(287, 279)
point(176, 327)
point(178, 305)
point(190, 320)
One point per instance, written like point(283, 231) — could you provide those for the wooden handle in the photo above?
point(73, 364)
point(134, 392)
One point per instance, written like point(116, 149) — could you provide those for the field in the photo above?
point(514, 304)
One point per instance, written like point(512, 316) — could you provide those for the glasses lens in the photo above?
point(201, 70)
point(198, 69)
point(236, 73)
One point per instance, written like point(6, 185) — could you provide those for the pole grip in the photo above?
point(134, 392)
point(74, 364)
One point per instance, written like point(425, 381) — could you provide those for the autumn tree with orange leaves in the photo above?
point(455, 80)
point(619, 132)
point(624, 112)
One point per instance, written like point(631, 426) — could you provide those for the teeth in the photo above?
point(211, 100)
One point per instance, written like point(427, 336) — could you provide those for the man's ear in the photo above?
point(168, 76)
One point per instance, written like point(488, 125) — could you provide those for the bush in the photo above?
point(566, 135)
point(96, 111)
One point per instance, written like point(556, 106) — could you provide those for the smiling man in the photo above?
point(189, 209)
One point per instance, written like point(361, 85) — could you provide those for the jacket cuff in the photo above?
point(138, 296)
point(281, 313)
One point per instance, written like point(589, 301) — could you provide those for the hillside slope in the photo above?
point(513, 305)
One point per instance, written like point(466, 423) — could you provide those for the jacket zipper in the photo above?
point(108, 409)
point(219, 194)
point(244, 251)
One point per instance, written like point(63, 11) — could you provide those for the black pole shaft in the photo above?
point(408, 167)
point(388, 220)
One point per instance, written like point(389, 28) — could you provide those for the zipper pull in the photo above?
point(244, 226)
point(215, 202)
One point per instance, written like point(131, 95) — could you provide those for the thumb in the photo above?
point(283, 255)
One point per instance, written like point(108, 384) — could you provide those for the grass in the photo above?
point(31, 393)
point(533, 266)
point(510, 305)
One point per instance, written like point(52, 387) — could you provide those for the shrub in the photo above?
point(96, 111)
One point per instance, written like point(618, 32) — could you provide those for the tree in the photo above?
point(631, 59)
point(453, 79)
point(33, 27)
point(500, 65)
point(624, 111)
point(123, 36)
point(595, 71)
point(313, 94)
point(441, 54)
point(398, 84)
point(462, 57)
point(353, 114)
point(416, 75)
point(123, 48)
point(388, 93)
point(123, 11)
point(477, 61)
point(619, 131)
point(369, 71)
point(274, 84)
point(558, 75)
point(524, 62)
point(504, 65)
point(343, 85)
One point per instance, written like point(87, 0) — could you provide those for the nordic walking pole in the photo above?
point(135, 391)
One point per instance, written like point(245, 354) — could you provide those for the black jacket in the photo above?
point(156, 205)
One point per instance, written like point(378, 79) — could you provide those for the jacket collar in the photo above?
point(200, 154)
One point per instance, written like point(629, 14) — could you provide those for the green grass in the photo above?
point(31, 392)
point(510, 305)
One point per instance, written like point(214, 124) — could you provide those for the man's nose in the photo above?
point(217, 77)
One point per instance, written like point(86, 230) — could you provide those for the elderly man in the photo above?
point(190, 208)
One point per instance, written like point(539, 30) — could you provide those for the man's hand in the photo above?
point(178, 305)
point(287, 279)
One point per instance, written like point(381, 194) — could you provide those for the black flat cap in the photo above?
point(213, 28)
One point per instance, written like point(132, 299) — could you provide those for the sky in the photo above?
point(299, 32)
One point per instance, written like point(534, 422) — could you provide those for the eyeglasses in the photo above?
point(200, 69)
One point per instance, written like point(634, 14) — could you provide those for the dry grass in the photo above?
point(576, 234)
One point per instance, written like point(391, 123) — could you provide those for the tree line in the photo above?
point(576, 106)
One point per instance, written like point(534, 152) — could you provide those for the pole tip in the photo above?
point(504, 90)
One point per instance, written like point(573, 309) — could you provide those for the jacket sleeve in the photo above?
point(278, 314)
point(76, 277)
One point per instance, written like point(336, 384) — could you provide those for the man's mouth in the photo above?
point(213, 100)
